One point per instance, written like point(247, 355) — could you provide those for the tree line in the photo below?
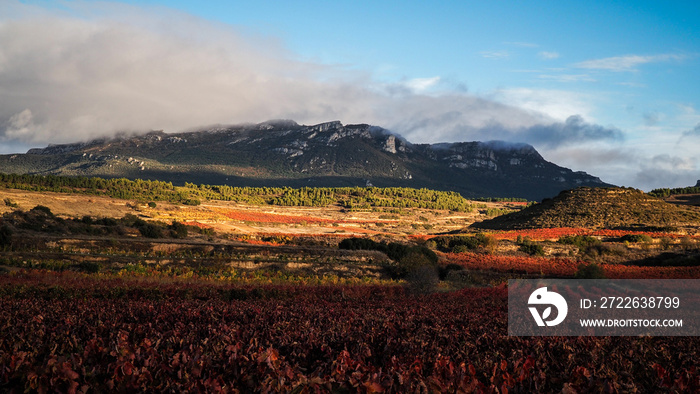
point(666, 192)
point(192, 194)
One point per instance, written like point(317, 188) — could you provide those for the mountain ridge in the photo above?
point(285, 153)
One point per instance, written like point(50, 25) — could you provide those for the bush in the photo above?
point(42, 209)
point(687, 243)
point(394, 250)
point(460, 249)
point(589, 271)
point(178, 230)
point(88, 266)
point(445, 271)
point(152, 204)
point(5, 235)
point(531, 248)
point(580, 241)
point(462, 243)
point(359, 244)
point(10, 203)
point(150, 230)
point(636, 238)
point(107, 222)
point(666, 243)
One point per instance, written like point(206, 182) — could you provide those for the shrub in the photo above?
point(531, 248)
point(150, 230)
point(460, 249)
point(88, 266)
point(636, 238)
point(151, 204)
point(445, 271)
point(206, 231)
point(359, 244)
point(407, 257)
point(178, 230)
point(107, 222)
point(462, 243)
point(687, 243)
point(10, 203)
point(5, 235)
point(42, 209)
point(589, 271)
point(580, 241)
point(666, 243)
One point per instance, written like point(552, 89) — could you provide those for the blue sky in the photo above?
point(609, 88)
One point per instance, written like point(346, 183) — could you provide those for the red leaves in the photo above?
point(565, 267)
point(313, 339)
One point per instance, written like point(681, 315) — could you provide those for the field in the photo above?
point(100, 294)
point(71, 332)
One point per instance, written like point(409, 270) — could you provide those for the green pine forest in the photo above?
point(352, 198)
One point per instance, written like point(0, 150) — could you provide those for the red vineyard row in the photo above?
point(308, 339)
point(263, 217)
point(542, 234)
point(564, 267)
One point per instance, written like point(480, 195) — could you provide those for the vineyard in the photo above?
point(562, 267)
point(76, 333)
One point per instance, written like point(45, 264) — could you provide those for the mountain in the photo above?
point(597, 208)
point(284, 153)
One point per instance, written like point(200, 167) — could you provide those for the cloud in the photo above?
point(667, 171)
point(450, 126)
point(627, 166)
point(548, 55)
point(105, 68)
point(651, 118)
point(693, 133)
point(498, 55)
point(575, 130)
point(568, 77)
point(422, 84)
point(557, 104)
point(626, 63)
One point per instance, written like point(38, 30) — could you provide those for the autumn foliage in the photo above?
point(563, 267)
point(69, 332)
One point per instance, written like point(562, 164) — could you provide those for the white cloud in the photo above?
point(422, 84)
point(568, 77)
point(68, 78)
point(548, 55)
point(625, 63)
point(556, 104)
point(495, 54)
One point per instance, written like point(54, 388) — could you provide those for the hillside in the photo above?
point(283, 153)
point(596, 208)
